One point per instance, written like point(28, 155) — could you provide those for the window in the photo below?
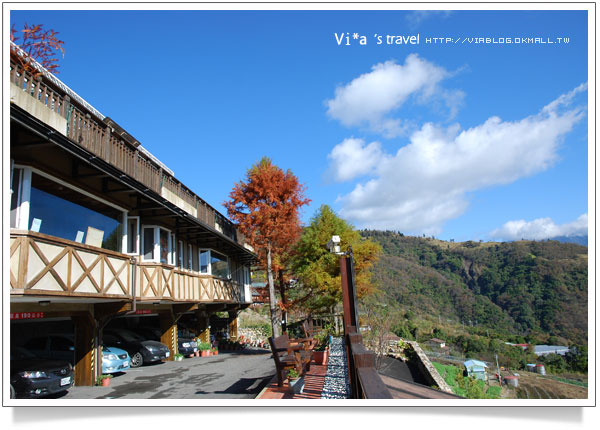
point(189, 257)
point(180, 259)
point(214, 263)
point(204, 261)
point(133, 235)
point(90, 219)
point(157, 245)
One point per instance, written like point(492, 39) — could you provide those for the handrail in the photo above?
point(85, 127)
point(365, 382)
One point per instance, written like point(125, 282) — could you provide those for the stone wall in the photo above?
point(428, 370)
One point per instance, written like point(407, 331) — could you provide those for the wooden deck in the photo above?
point(313, 386)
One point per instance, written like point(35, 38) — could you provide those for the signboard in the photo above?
point(26, 315)
point(143, 311)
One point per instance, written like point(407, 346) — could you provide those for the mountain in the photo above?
point(580, 240)
point(522, 287)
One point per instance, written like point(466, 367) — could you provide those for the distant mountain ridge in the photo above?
point(580, 240)
point(522, 287)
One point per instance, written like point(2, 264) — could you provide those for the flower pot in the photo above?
point(320, 357)
point(208, 353)
point(216, 352)
point(297, 385)
point(106, 382)
point(204, 353)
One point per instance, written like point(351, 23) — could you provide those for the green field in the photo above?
point(474, 389)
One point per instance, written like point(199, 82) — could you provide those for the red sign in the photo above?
point(26, 315)
point(143, 311)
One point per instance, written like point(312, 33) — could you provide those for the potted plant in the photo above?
point(296, 382)
point(204, 348)
point(104, 380)
point(178, 357)
point(215, 351)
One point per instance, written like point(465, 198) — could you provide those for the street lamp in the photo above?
point(334, 245)
point(348, 282)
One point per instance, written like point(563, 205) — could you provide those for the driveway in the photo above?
point(229, 375)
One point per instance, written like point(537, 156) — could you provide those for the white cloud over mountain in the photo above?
point(370, 99)
point(424, 184)
point(541, 228)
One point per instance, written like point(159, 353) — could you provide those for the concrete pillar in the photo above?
point(86, 357)
point(168, 329)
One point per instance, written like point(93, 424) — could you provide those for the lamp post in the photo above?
point(348, 283)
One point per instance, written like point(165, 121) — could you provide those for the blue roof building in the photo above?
point(476, 369)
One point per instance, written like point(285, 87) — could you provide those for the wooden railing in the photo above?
point(365, 382)
point(47, 265)
point(87, 128)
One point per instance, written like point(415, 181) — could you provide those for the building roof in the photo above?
point(474, 363)
point(540, 349)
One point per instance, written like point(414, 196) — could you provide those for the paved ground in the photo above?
point(229, 375)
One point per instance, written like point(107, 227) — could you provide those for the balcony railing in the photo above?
point(87, 127)
point(47, 265)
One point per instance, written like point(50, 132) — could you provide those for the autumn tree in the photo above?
point(266, 207)
point(318, 270)
point(34, 44)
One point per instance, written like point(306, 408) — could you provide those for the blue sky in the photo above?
point(462, 141)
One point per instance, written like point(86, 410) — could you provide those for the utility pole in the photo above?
point(498, 369)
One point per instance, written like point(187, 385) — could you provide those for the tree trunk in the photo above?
point(283, 301)
point(272, 299)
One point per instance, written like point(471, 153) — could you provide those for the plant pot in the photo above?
point(320, 357)
point(178, 358)
point(216, 352)
point(106, 382)
point(297, 385)
point(204, 353)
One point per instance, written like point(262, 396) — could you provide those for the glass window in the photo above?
point(189, 257)
point(164, 246)
point(204, 260)
point(50, 201)
point(148, 243)
point(219, 265)
point(133, 235)
point(180, 255)
point(15, 197)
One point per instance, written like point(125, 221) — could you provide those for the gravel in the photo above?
point(337, 385)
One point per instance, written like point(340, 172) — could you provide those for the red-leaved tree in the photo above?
point(266, 207)
point(39, 45)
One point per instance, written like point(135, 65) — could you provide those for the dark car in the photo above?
point(139, 349)
point(53, 346)
point(34, 377)
point(185, 343)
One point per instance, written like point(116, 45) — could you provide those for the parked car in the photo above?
point(53, 346)
point(139, 349)
point(114, 359)
point(185, 343)
point(33, 377)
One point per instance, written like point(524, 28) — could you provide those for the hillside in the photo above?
point(518, 288)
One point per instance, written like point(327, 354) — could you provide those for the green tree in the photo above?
point(318, 270)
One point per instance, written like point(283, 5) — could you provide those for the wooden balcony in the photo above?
point(53, 103)
point(45, 265)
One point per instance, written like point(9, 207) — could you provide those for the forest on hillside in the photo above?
point(532, 290)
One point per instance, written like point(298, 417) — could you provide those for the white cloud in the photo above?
point(424, 184)
point(370, 98)
point(541, 228)
point(353, 158)
point(416, 17)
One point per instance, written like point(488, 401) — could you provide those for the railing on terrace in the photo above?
point(47, 265)
point(86, 128)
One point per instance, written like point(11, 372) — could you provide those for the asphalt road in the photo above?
point(229, 375)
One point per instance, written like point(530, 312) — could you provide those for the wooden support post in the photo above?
point(86, 358)
point(203, 326)
point(233, 325)
point(348, 292)
point(168, 329)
